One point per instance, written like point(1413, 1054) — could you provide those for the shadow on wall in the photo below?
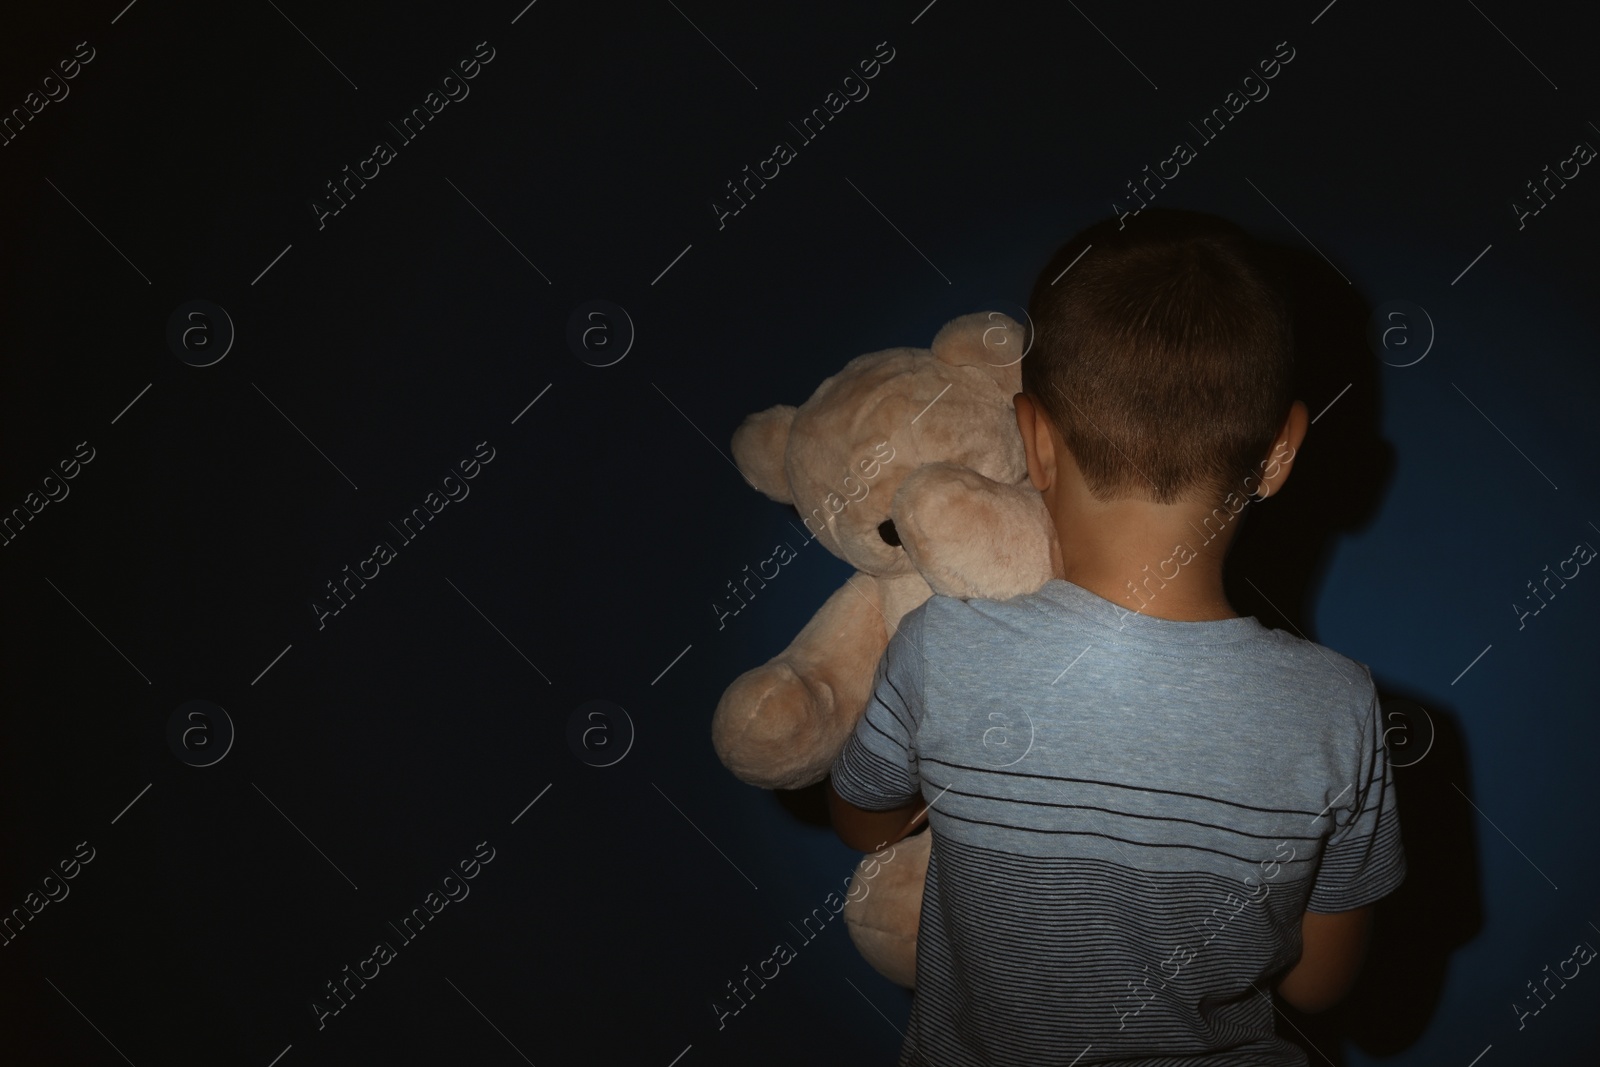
point(1342, 469)
point(1435, 911)
point(1341, 476)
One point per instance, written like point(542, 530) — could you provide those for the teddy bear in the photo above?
point(908, 465)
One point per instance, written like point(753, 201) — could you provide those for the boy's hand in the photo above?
point(911, 827)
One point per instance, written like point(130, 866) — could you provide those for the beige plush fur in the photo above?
point(883, 907)
point(926, 439)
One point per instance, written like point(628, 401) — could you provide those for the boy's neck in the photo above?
point(1161, 560)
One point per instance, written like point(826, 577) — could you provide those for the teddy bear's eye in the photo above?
point(890, 535)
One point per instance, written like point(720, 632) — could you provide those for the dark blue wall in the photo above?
point(374, 352)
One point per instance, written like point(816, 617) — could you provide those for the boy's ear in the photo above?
point(1034, 425)
point(759, 446)
point(1280, 460)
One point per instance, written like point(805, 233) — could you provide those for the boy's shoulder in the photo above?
point(1060, 606)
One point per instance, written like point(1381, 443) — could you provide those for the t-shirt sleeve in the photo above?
point(1363, 859)
point(877, 770)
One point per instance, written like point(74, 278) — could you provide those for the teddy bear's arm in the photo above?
point(781, 725)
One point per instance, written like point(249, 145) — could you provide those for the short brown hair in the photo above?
point(1163, 355)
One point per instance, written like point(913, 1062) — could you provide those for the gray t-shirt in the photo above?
point(1130, 815)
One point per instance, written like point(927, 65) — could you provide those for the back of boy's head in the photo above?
point(1163, 355)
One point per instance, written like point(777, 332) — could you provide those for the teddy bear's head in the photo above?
point(839, 457)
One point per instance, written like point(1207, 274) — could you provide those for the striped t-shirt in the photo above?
point(1130, 815)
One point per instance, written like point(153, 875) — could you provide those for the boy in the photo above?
point(1147, 812)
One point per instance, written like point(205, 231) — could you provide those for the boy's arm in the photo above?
point(869, 831)
point(875, 791)
point(1362, 861)
point(1333, 946)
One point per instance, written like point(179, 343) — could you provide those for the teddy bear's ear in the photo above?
point(992, 341)
point(759, 445)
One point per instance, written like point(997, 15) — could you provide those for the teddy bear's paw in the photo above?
point(775, 729)
point(883, 907)
point(971, 536)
